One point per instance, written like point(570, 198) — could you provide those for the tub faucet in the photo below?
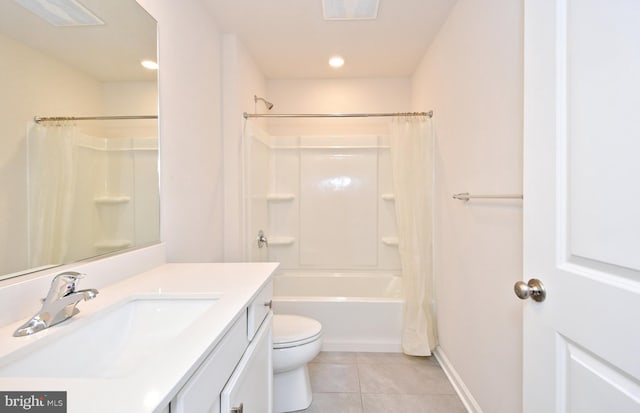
point(59, 305)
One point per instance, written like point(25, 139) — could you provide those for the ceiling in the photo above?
point(290, 38)
point(109, 52)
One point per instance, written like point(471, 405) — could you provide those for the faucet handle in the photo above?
point(64, 283)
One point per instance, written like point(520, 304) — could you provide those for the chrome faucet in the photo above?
point(59, 305)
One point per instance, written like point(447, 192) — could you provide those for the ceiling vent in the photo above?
point(350, 9)
point(61, 12)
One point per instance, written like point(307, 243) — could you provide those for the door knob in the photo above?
point(534, 289)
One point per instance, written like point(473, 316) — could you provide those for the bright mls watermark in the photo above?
point(33, 401)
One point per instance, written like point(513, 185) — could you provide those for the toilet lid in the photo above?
point(294, 330)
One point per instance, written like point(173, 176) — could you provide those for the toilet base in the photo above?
point(292, 390)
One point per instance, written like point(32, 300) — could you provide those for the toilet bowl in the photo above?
point(296, 341)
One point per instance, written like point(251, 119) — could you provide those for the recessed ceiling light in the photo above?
point(149, 64)
point(350, 9)
point(62, 12)
point(336, 61)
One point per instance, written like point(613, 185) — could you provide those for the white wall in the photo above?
point(130, 98)
point(336, 96)
point(471, 77)
point(190, 130)
point(133, 97)
point(242, 80)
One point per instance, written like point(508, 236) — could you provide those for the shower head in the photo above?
point(268, 104)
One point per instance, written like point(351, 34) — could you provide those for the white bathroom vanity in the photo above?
point(180, 337)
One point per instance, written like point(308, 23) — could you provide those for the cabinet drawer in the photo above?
point(258, 309)
point(202, 390)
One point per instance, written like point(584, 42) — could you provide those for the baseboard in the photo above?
point(463, 392)
point(362, 347)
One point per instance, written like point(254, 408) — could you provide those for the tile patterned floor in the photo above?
point(380, 383)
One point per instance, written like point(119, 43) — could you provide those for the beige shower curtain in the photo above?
point(412, 165)
point(52, 179)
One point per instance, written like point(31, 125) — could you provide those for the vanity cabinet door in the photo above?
point(249, 390)
point(200, 394)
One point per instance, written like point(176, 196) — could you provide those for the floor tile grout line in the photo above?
point(359, 385)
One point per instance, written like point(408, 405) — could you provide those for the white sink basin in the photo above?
point(112, 343)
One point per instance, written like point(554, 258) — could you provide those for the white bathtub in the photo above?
point(358, 312)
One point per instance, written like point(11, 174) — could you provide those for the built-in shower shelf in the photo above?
point(389, 197)
point(113, 244)
point(276, 197)
point(108, 200)
point(390, 241)
point(281, 241)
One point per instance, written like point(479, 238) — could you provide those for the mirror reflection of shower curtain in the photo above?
point(412, 165)
point(52, 167)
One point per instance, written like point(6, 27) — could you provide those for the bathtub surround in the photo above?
point(321, 201)
point(411, 145)
point(91, 192)
point(325, 207)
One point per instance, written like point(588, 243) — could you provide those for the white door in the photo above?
point(582, 206)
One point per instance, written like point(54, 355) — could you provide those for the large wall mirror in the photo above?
point(75, 189)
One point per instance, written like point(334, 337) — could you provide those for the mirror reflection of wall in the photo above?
point(73, 190)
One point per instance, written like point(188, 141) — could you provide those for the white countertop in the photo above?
point(152, 386)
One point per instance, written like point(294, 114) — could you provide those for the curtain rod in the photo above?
point(465, 196)
point(38, 119)
point(335, 115)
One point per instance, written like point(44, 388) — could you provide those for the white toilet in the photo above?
point(296, 341)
